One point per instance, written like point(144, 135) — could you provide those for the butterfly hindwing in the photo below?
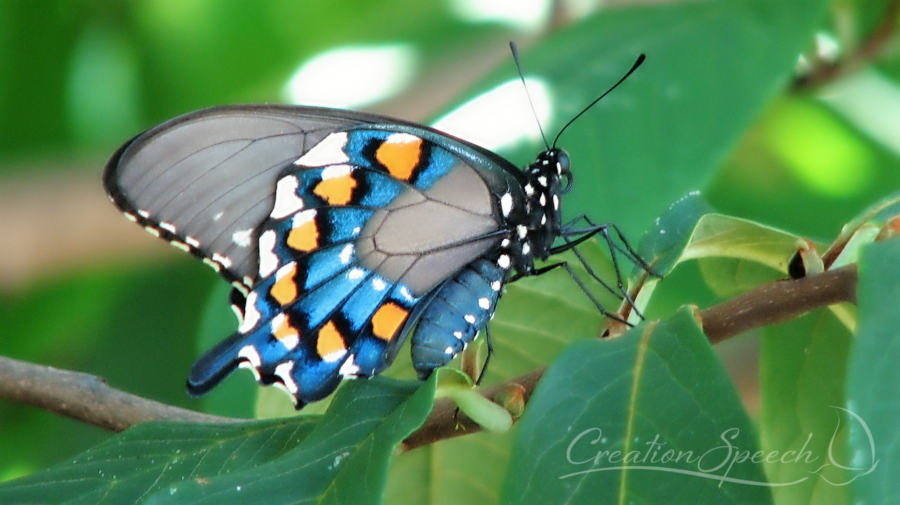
point(365, 227)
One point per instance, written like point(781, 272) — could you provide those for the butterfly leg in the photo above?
point(587, 292)
point(490, 353)
point(592, 230)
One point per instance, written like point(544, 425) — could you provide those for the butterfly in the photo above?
point(342, 234)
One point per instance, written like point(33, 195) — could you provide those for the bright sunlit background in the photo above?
point(81, 288)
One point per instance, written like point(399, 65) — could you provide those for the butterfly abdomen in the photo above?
point(460, 309)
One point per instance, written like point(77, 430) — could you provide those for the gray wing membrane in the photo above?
point(206, 180)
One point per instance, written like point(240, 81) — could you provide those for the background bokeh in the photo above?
point(83, 289)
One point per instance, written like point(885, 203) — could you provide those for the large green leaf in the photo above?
point(600, 423)
point(873, 377)
point(339, 458)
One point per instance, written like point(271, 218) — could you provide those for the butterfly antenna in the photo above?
point(634, 67)
point(515, 55)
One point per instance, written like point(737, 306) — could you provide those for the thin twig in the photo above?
point(89, 399)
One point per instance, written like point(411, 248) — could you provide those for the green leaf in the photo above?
point(803, 366)
point(344, 459)
point(129, 467)
point(731, 237)
point(339, 458)
point(873, 377)
point(607, 411)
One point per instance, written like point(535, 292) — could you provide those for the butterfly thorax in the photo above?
point(547, 178)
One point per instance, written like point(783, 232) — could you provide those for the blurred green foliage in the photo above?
point(79, 78)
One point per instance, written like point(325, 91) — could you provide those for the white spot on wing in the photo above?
point(470, 318)
point(224, 260)
point(335, 171)
point(286, 200)
point(378, 284)
point(484, 303)
point(290, 342)
point(268, 262)
point(522, 230)
point(283, 372)
point(543, 181)
point(449, 351)
point(504, 261)
point(346, 253)
point(218, 216)
point(349, 369)
point(526, 248)
point(181, 245)
point(330, 151)
point(556, 202)
point(496, 285)
point(402, 138)
point(334, 356)
point(458, 335)
point(144, 214)
point(169, 227)
point(251, 315)
point(249, 353)
point(152, 231)
point(192, 241)
point(356, 273)
point(242, 237)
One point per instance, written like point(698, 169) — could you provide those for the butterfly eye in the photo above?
point(562, 162)
point(562, 167)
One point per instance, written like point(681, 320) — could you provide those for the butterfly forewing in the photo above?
point(205, 181)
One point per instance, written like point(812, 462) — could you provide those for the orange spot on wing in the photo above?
point(337, 190)
point(330, 340)
point(387, 321)
point(304, 238)
point(285, 289)
point(285, 330)
point(400, 157)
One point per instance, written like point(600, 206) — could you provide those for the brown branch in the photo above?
point(89, 399)
point(86, 398)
